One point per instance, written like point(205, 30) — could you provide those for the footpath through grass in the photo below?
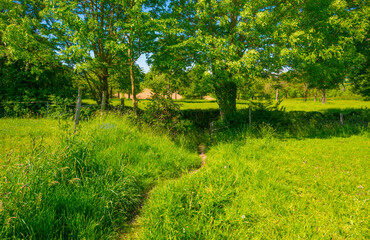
point(55, 185)
point(266, 188)
point(299, 176)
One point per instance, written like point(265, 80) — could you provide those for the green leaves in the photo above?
point(322, 41)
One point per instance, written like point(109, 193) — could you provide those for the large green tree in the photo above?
point(231, 39)
point(29, 68)
point(321, 40)
point(99, 35)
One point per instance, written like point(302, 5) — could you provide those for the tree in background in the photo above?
point(323, 40)
point(196, 83)
point(162, 84)
point(29, 67)
point(98, 35)
point(254, 90)
point(121, 78)
point(360, 73)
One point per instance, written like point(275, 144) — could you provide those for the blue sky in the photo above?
point(142, 63)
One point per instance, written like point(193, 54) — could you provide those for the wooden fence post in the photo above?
point(341, 118)
point(211, 128)
point(47, 109)
point(78, 109)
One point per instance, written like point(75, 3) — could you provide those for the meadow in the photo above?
point(289, 104)
point(293, 174)
point(268, 188)
point(56, 185)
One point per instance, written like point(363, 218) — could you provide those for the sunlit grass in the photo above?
point(268, 189)
point(289, 104)
point(56, 185)
point(16, 135)
point(301, 105)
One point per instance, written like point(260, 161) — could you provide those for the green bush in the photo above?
point(162, 112)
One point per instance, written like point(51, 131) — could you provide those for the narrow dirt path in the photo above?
point(201, 149)
point(136, 228)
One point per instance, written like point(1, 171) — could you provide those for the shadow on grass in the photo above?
point(280, 124)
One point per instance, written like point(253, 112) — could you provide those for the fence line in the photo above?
point(341, 121)
point(26, 102)
point(78, 109)
point(49, 105)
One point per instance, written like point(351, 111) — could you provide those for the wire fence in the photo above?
point(248, 116)
point(41, 108)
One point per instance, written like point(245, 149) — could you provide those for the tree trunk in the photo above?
point(133, 90)
point(226, 98)
point(277, 94)
point(132, 75)
point(93, 89)
point(315, 95)
point(168, 95)
point(305, 92)
point(104, 87)
point(323, 96)
point(102, 104)
point(129, 95)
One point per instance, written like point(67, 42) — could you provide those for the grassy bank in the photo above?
point(266, 188)
point(55, 185)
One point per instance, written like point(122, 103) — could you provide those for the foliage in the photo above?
point(226, 43)
point(160, 83)
point(121, 78)
point(162, 112)
point(362, 83)
point(29, 71)
point(22, 37)
point(195, 84)
point(321, 41)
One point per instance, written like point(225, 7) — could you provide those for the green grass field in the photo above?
point(268, 189)
point(288, 104)
point(55, 185)
point(258, 182)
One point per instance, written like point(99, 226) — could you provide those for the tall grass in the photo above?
point(267, 188)
point(84, 186)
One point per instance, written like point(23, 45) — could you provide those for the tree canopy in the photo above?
point(225, 45)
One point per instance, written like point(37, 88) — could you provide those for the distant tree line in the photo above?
point(227, 48)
